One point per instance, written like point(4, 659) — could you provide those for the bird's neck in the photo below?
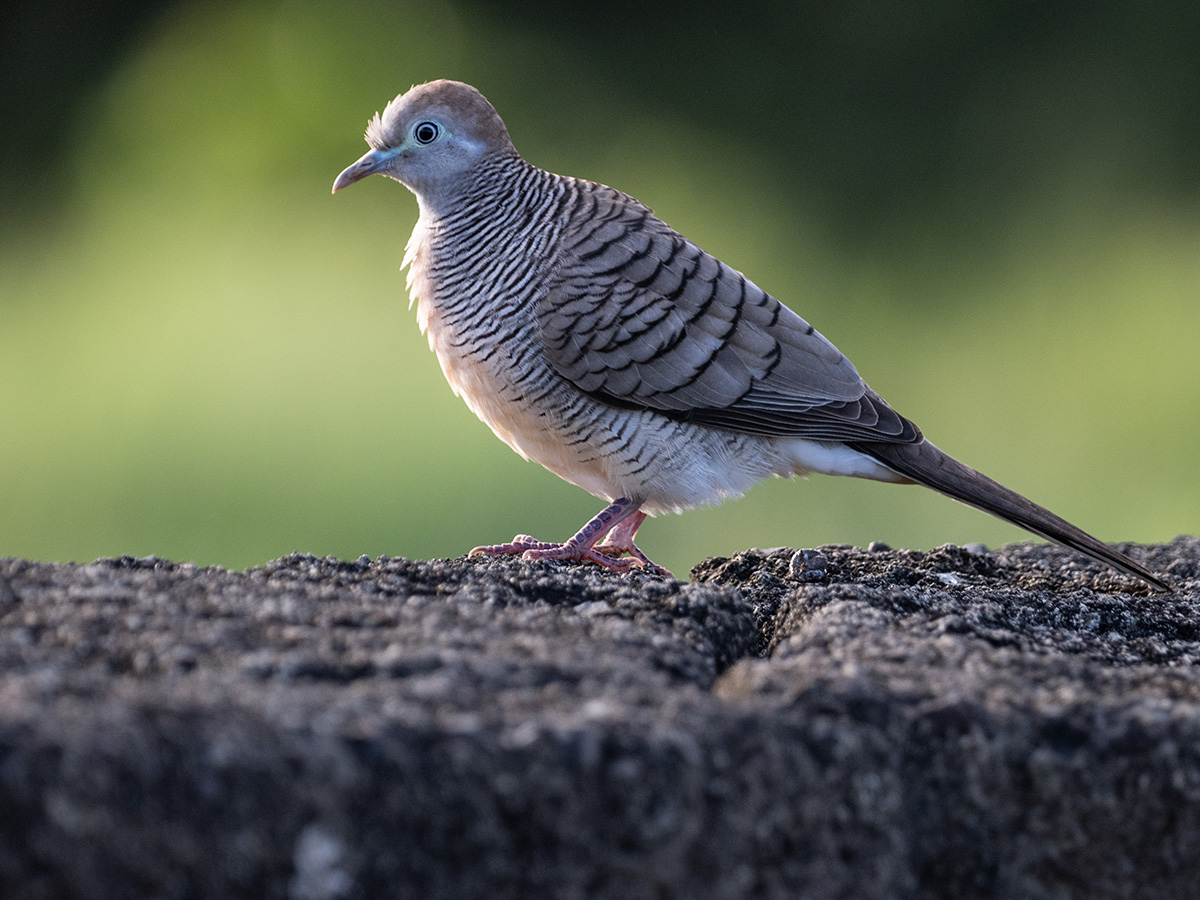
point(467, 257)
point(452, 198)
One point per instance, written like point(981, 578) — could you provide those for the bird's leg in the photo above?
point(620, 541)
point(619, 520)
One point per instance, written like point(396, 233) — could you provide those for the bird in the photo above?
point(596, 340)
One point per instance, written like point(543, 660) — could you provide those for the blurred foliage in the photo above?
point(992, 208)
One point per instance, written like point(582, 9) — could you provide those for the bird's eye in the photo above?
point(426, 132)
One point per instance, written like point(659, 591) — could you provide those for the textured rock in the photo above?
point(831, 723)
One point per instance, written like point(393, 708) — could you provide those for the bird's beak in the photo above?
point(368, 164)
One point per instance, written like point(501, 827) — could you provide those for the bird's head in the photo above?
point(430, 138)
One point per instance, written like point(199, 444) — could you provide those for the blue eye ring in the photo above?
point(426, 132)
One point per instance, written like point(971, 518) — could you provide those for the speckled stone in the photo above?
point(1017, 723)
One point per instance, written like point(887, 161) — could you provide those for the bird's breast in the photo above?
point(477, 307)
point(478, 315)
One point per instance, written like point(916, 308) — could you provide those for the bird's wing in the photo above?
point(638, 316)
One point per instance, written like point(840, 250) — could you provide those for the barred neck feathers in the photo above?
point(501, 230)
point(497, 187)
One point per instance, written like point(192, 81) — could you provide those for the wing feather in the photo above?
point(638, 316)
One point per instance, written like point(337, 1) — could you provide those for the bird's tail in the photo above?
point(925, 464)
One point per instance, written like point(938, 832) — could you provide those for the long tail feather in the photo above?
point(925, 464)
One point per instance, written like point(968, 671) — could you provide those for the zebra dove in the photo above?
point(594, 339)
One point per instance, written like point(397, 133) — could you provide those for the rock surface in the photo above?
point(829, 723)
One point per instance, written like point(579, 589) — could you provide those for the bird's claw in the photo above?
point(567, 552)
point(519, 544)
point(604, 541)
point(610, 556)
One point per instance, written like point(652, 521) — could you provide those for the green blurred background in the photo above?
point(992, 207)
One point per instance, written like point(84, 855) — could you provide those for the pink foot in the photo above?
point(619, 521)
